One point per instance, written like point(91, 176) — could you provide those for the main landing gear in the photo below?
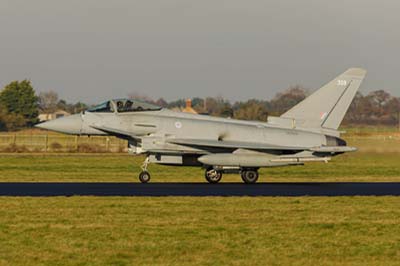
point(249, 175)
point(212, 175)
point(144, 176)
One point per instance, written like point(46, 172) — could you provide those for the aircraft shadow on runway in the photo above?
point(200, 189)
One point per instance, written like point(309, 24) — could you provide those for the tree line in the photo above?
point(20, 106)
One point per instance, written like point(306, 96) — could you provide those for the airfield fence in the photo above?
point(60, 143)
point(42, 142)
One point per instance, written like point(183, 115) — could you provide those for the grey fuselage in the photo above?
point(159, 126)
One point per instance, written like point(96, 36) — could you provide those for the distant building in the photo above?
point(188, 108)
point(52, 116)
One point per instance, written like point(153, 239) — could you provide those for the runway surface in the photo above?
point(199, 189)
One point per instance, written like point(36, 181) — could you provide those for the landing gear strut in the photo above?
point(144, 176)
point(249, 176)
point(213, 176)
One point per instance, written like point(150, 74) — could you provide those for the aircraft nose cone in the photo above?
point(70, 124)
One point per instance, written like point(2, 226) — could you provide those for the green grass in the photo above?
point(370, 129)
point(200, 231)
point(361, 166)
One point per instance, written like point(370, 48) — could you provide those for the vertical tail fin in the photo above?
point(327, 106)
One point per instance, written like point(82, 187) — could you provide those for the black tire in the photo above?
point(144, 177)
point(213, 176)
point(249, 176)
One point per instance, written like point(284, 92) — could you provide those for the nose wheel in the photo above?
point(213, 176)
point(144, 176)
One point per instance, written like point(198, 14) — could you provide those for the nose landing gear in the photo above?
point(144, 176)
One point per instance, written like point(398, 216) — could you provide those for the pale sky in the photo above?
point(99, 49)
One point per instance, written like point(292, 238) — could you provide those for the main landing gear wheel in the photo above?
point(213, 176)
point(249, 176)
point(144, 177)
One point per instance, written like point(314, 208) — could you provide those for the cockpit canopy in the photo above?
point(123, 106)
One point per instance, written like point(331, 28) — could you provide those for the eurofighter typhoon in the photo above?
point(306, 133)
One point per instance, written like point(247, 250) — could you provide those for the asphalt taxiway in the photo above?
point(200, 189)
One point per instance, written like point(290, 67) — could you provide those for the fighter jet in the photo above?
point(306, 133)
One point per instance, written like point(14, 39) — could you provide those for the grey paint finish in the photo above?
point(327, 106)
point(305, 133)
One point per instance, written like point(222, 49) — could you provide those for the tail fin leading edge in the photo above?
point(327, 106)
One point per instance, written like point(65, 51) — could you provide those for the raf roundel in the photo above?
point(178, 124)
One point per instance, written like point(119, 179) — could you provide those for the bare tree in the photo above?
point(251, 110)
point(48, 101)
point(287, 99)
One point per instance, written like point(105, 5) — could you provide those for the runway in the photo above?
point(199, 189)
